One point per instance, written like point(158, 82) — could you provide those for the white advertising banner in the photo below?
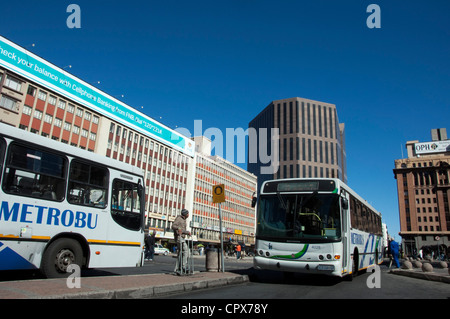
point(432, 147)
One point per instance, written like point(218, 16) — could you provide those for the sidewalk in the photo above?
point(438, 274)
point(118, 287)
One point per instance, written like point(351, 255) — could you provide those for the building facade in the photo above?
point(44, 99)
point(423, 192)
point(308, 141)
point(238, 217)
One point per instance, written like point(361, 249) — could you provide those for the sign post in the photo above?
point(219, 197)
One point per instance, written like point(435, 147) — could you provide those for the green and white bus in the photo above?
point(316, 226)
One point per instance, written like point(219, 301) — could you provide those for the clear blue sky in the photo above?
point(222, 62)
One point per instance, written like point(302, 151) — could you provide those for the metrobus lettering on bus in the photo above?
point(47, 215)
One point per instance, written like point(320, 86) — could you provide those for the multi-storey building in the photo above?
point(42, 98)
point(238, 217)
point(423, 194)
point(308, 141)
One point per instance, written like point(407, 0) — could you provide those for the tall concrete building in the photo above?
point(423, 192)
point(302, 137)
point(238, 216)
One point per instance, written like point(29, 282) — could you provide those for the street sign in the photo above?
point(219, 193)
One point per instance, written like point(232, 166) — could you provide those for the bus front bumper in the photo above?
point(307, 267)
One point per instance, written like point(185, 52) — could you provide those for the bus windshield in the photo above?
point(299, 217)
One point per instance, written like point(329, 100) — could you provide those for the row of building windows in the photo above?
point(316, 151)
point(6, 101)
point(75, 129)
point(287, 171)
point(238, 217)
point(316, 120)
point(42, 119)
point(165, 172)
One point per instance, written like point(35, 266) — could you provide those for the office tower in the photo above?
point(303, 137)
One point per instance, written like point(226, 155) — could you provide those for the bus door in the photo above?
point(344, 202)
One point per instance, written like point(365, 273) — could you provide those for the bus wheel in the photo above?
point(59, 255)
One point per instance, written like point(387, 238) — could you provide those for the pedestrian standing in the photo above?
point(179, 229)
point(152, 242)
point(238, 251)
point(147, 247)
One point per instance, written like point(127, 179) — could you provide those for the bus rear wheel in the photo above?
point(59, 255)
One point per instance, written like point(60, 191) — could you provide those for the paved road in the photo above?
point(273, 285)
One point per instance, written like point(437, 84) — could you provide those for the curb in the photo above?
point(157, 291)
point(422, 275)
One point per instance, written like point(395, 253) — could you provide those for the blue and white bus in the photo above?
point(61, 205)
point(316, 226)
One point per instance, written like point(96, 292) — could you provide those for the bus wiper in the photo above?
point(280, 198)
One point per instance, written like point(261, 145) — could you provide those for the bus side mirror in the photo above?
point(254, 199)
point(344, 203)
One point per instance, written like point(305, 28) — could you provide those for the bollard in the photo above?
point(212, 259)
point(427, 267)
point(407, 265)
point(443, 264)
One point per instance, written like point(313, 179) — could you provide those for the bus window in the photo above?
point(353, 215)
point(34, 173)
point(2, 155)
point(126, 204)
point(88, 184)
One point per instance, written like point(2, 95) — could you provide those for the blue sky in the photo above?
point(222, 62)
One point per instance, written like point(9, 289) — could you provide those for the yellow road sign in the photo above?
point(219, 193)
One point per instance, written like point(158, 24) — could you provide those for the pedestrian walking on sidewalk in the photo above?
point(395, 252)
